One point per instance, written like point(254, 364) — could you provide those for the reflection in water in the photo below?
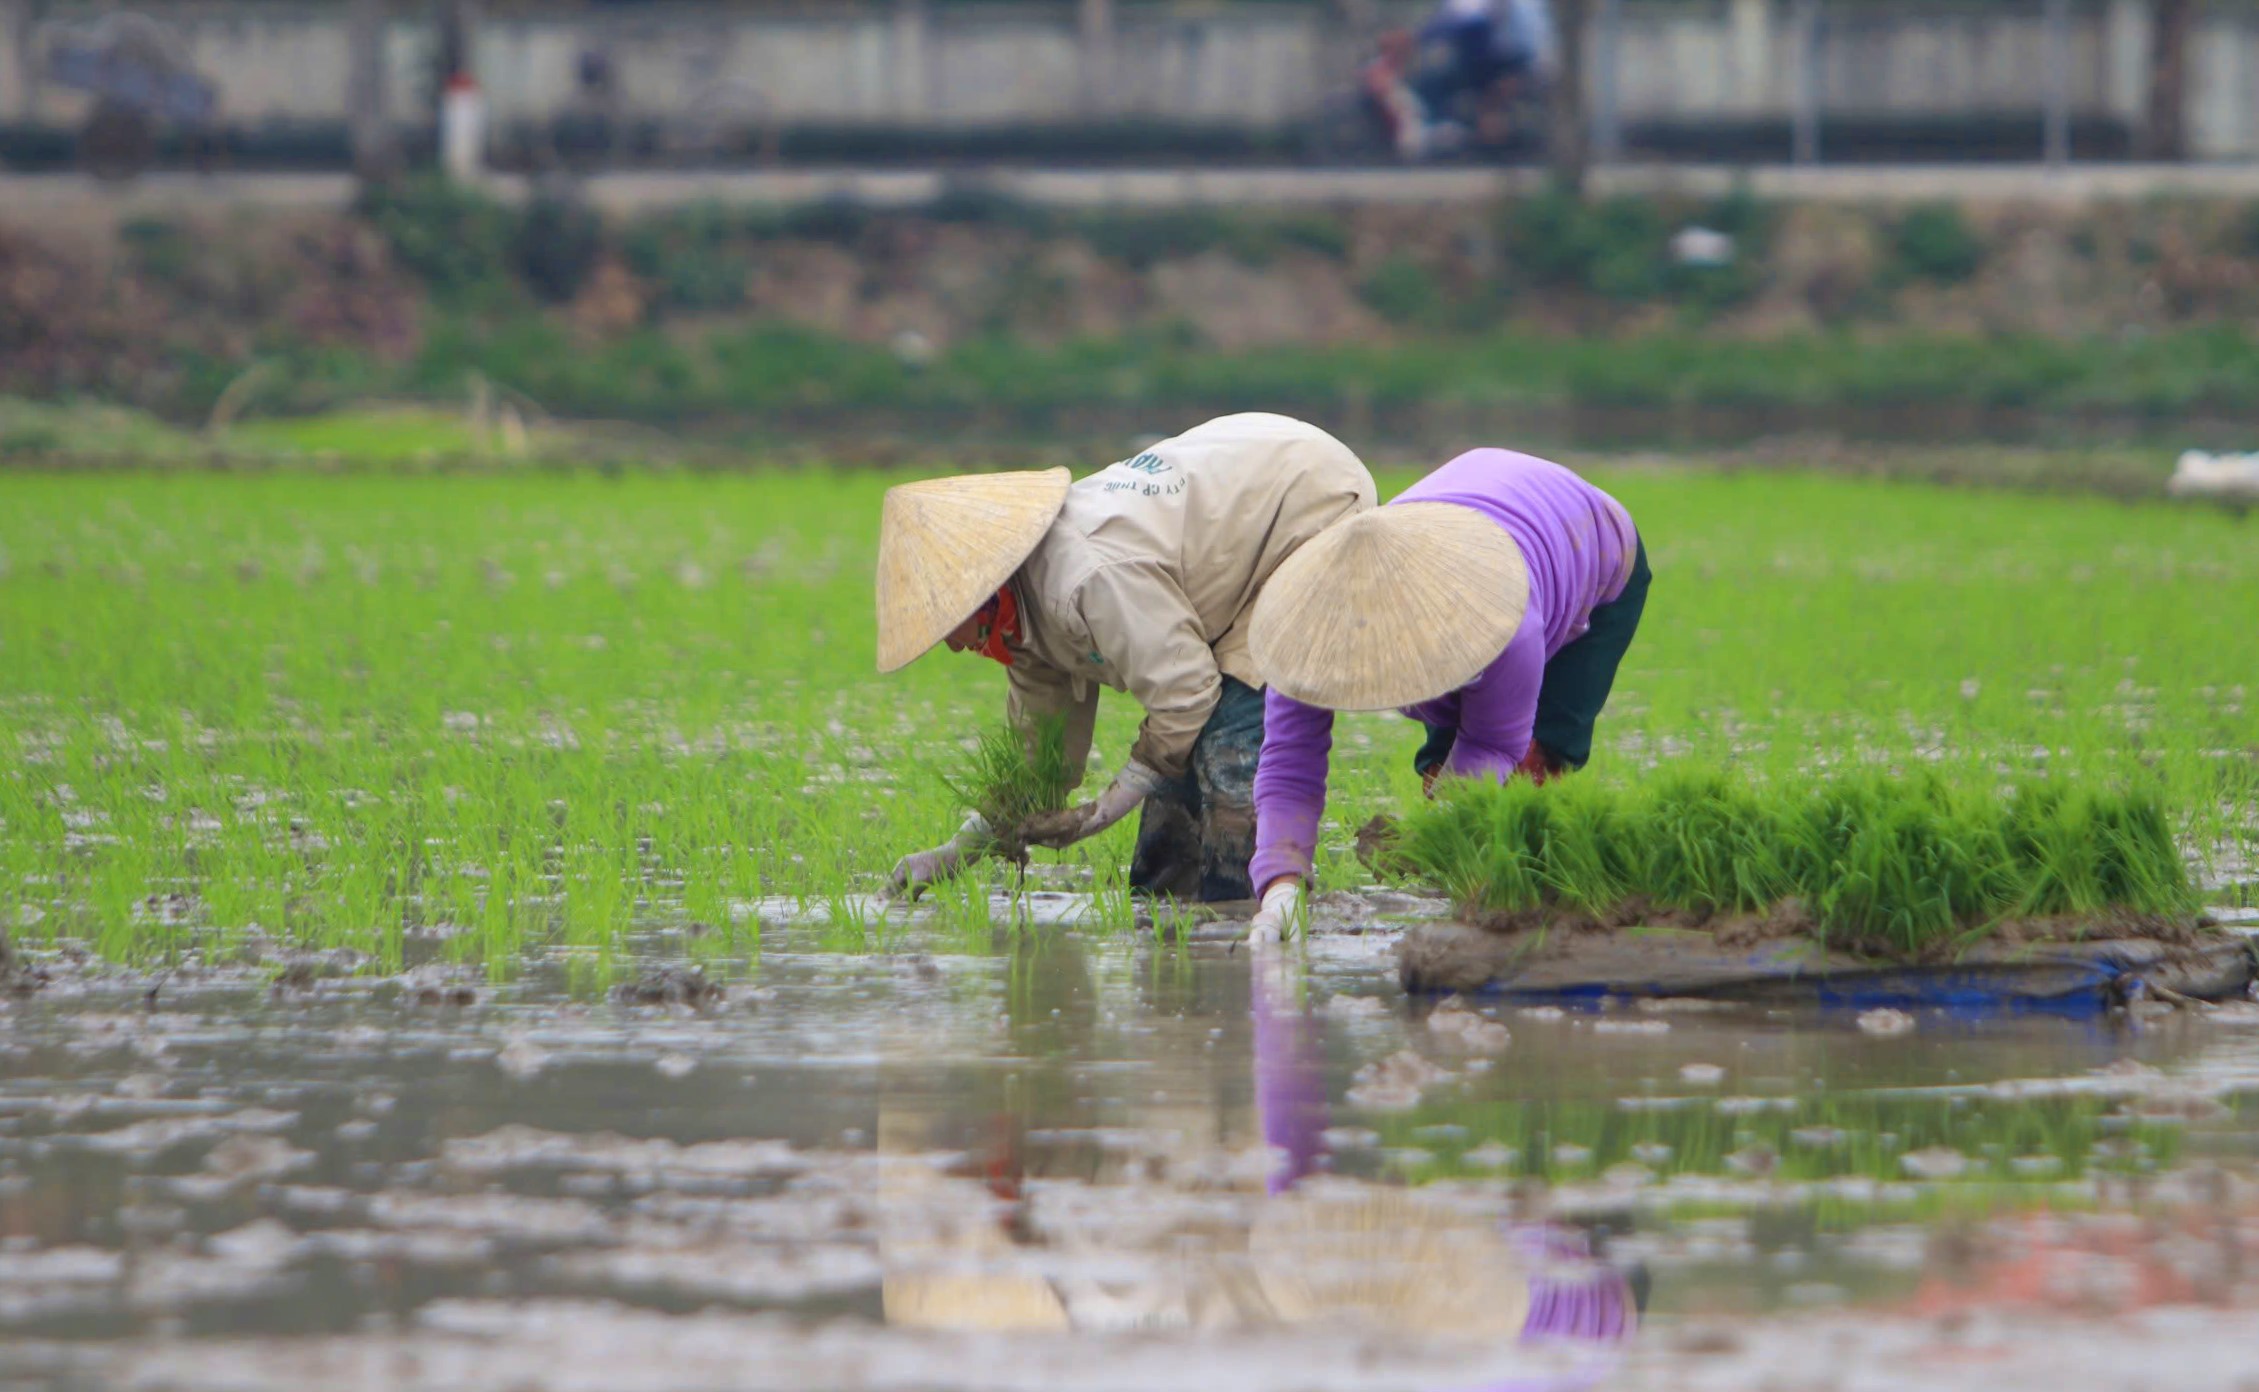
point(981, 1243)
point(1567, 1293)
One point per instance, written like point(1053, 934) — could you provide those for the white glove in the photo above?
point(912, 873)
point(1068, 825)
point(1281, 914)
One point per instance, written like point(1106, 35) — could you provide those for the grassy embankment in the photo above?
point(742, 373)
point(980, 309)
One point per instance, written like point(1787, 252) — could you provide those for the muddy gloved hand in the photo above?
point(914, 872)
point(1282, 912)
point(1068, 825)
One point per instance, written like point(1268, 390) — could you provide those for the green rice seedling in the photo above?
point(1706, 844)
point(499, 938)
point(963, 907)
point(1111, 905)
point(705, 898)
point(1009, 776)
point(846, 922)
point(2089, 854)
point(2141, 864)
point(1590, 864)
point(2048, 830)
point(1480, 847)
point(1900, 865)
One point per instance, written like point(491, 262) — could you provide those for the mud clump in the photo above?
point(248, 1156)
point(1551, 919)
point(1452, 958)
point(437, 986)
point(1885, 1022)
point(1376, 839)
point(521, 1058)
point(1935, 1162)
point(2171, 930)
point(1789, 918)
point(18, 977)
point(1477, 1034)
point(298, 977)
point(1395, 1083)
point(671, 985)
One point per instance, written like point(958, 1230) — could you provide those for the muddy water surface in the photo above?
point(1048, 1158)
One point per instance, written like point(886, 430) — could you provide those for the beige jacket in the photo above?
point(1145, 581)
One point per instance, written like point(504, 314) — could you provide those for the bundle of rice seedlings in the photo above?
point(1009, 775)
point(1705, 844)
point(1894, 866)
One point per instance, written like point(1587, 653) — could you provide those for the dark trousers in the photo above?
point(1196, 834)
point(1576, 682)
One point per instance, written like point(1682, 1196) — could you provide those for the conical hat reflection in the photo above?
point(1386, 1257)
point(942, 1245)
point(990, 1301)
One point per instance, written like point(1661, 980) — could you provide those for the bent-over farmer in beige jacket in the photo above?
point(1140, 578)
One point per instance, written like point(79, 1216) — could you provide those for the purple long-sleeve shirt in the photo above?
point(1578, 544)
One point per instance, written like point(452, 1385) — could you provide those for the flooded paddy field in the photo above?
point(1062, 1158)
point(442, 952)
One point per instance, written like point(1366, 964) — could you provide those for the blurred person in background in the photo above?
point(1454, 83)
point(1140, 577)
point(1492, 602)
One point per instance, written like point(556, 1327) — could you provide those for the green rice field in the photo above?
point(565, 709)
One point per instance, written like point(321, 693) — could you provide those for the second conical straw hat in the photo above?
point(1392, 606)
point(947, 544)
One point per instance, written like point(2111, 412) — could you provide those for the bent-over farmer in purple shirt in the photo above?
point(1492, 602)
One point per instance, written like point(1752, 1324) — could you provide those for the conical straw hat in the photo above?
point(947, 544)
point(1396, 605)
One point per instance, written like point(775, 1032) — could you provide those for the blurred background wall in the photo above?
point(670, 82)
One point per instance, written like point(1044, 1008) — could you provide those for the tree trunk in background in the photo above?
point(374, 153)
point(2164, 133)
point(1565, 126)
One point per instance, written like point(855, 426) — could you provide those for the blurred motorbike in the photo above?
point(1410, 103)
